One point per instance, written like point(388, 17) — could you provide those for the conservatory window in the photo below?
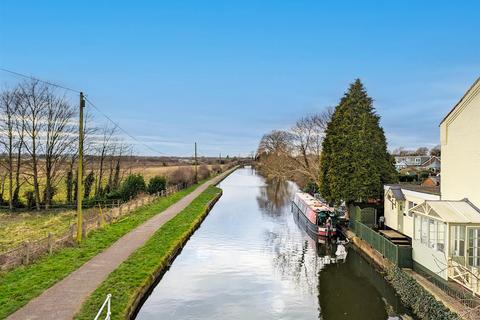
point(440, 236)
point(418, 226)
point(474, 247)
point(459, 241)
point(424, 231)
point(432, 235)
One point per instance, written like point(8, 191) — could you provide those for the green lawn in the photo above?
point(22, 284)
point(138, 271)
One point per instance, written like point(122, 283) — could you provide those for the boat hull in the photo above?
point(312, 227)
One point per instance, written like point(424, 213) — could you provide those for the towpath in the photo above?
point(63, 300)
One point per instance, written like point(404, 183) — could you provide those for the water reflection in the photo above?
point(274, 196)
point(250, 260)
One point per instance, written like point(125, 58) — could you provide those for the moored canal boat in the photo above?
point(318, 216)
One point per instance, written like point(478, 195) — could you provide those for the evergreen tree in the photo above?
point(355, 162)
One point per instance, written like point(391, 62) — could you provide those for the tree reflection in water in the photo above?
point(274, 196)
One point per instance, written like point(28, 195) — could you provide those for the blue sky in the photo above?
point(225, 72)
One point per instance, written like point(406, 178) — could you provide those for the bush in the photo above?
point(407, 177)
point(88, 184)
point(217, 169)
point(132, 186)
point(203, 172)
point(30, 196)
point(156, 184)
point(424, 175)
point(311, 187)
point(182, 175)
point(423, 304)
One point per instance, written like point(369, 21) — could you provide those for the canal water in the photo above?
point(250, 259)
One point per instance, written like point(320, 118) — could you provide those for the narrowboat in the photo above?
point(318, 216)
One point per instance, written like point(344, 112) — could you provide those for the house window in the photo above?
point(440, 236)
point(458, 241)
point(424, 231)
point(418, 226)
point(432, 234)
point(410, 206)
point(474, 247)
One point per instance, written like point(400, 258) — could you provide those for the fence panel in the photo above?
point(400, 255)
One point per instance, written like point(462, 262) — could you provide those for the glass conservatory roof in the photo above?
point(449, 211)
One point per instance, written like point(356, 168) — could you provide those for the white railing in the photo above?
point(105, 303)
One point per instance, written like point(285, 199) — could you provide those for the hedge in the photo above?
point(419, 300)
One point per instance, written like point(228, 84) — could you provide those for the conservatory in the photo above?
point(446, 241)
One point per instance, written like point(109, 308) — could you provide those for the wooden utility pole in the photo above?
point(196, 164)
point(80, 170)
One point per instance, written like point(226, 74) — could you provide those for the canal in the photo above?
point(251, 260)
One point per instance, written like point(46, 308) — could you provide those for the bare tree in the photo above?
point(422, 151)
point(307, 138)
point(8, 105)
point(34, 99)
point(103, 150)
point(274, 153)
point(436, 151)
point(60, 141)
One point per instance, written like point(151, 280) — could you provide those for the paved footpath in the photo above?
point(64, 299)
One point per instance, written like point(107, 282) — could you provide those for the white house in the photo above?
point(445, 228)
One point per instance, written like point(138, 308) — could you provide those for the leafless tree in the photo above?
point(422, 151)
point(8, 106)
point(104, 148)
point(60, 141)
point(435, 151)
point(307, 138)
point(34, 97)
point(296, 153)
point(274, 153)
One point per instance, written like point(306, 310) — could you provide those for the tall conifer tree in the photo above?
point(355, 162)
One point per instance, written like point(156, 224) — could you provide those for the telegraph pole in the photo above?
point(196, 164)
point(80, 170)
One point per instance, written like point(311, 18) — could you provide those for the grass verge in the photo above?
point(133, 277)
point(22, 284)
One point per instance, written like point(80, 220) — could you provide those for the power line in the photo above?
point(123, 130)
point(86, 99)
point(37, 79)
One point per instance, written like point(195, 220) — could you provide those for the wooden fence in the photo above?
point(94, 218)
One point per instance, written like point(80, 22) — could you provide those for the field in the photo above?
point(147, 168)
point(20, 226)
point(17, 228)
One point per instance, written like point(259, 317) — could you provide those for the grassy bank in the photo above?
point(129, 281)
point(20, 285)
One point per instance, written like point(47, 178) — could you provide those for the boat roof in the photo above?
point(313, 202)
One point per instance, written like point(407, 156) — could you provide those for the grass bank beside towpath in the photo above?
point(132, 279)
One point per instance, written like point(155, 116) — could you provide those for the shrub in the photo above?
point(30, 196)
point(182, 175)
point(407, 178)
point(88, 184)
point(424, 175)
point(156, 184)
point(132, 186)
point(423, 304)
point(216, 168)
point(115, 194)
point(311, 187)
point(203, 172)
